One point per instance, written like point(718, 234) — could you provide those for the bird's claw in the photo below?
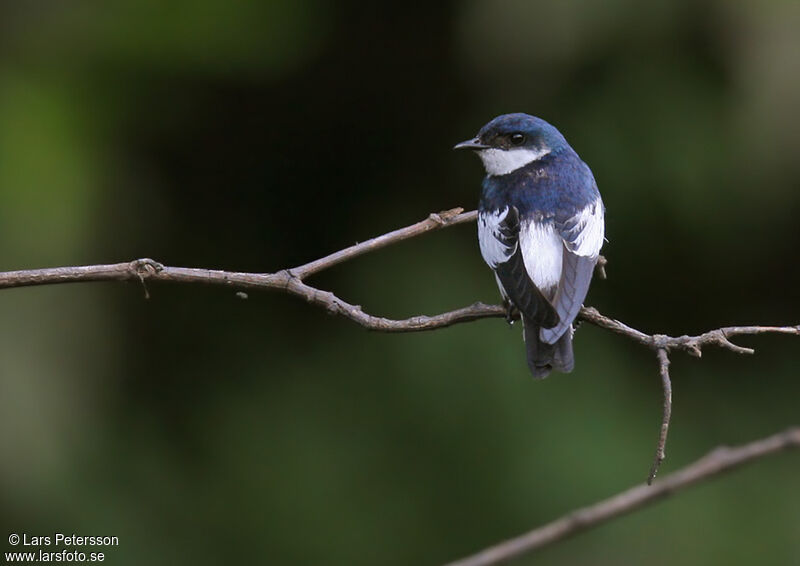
point(511, 312)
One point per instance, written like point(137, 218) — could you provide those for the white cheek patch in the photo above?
point(504, 161)
point(542, 252)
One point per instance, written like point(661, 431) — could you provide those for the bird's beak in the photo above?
point(474, 143)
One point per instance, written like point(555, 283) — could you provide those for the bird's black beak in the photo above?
point(474, 143)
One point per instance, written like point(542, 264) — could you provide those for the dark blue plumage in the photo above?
point(541, 227)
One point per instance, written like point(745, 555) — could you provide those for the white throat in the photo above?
point(504, 161)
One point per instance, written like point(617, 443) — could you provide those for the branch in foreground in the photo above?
point(720, 460)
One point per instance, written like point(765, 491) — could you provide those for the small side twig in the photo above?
point(663, 368)
point(435, 221)
point(600, 267)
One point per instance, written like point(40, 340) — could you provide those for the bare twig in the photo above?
point(435, 221)
point(600, 267)
point(692, 345)
point(142, 270)
point(663, 369)
point(715, 462)
point(287, 281)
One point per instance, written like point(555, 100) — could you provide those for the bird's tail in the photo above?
point(543, 357)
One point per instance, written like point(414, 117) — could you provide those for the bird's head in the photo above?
point(512, 141)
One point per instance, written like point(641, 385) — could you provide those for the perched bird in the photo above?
point(540, 229)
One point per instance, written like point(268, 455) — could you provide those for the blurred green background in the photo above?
point(253, 136)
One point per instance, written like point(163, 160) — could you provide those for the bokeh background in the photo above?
point(204, 429)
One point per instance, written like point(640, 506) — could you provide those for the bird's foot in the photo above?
point(512, 313)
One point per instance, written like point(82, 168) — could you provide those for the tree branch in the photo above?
point(692, 345)
point(288, 281)
point(292, 281)
point(717, 461)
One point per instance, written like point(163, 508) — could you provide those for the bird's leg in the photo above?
point(512, 313)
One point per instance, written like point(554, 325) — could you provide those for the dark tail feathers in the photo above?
point(543, 357)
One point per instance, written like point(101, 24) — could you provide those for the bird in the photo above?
point(541, 225)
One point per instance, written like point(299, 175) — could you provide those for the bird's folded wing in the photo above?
point(498, 233)
point(582, 235)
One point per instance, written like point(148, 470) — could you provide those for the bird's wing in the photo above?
point(582, 235)
point(498, 233)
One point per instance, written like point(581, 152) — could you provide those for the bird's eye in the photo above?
point(517, 138)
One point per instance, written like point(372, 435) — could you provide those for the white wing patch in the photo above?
point(542, 243)
point(504, 161)
point(542, 251)
point(493, 250)
point(584, 232)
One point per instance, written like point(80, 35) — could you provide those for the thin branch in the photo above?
point(144, 270)
point(435, 221)
point(692, 345)
point(292, 281)
point(287, 281)
point(140, 270)
point(663, 369)
point(719, 460)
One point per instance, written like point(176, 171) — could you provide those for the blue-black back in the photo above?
point(553, 187)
